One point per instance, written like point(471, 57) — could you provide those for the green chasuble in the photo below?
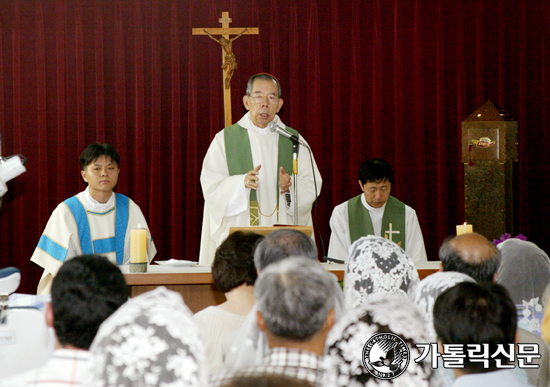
point(239, 160)
point(393, 220)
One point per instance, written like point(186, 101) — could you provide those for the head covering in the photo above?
point(151, 340)
point(383, 313)
point(525, 273)
point(430, 288)
point(377, 265)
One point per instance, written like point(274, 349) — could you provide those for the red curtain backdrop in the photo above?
point(360, 79)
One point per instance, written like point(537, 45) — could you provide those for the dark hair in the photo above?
point(481, 270)
point(234, 261)
point(374, 170)
point(86, 290)
point(282, 244)
point(95, 151)
point(265, 76)
point(265, 380)
point(476, 313)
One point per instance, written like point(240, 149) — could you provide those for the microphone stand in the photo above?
point(295, 178)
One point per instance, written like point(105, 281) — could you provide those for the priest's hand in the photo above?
point(284, 180)
point(251, 178)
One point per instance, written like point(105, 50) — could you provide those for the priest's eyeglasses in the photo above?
point(271, 99)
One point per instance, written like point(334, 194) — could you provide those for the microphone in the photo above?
point(283, 132)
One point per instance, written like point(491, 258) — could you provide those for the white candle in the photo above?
point(138, 245)
point(464, 229)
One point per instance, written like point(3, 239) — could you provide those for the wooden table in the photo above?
point(196, 285)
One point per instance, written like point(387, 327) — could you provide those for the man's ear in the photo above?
point(440, 266)
point(48, 311)
point(361, 185)
point(246, 102)
point(329, 323)
point(83, 174)
point(279, 104)
point(260, 321)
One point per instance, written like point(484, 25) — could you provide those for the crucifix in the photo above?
point(388, 233)
point(229, 60)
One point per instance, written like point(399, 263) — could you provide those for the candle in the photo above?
point(138, 245)
point(464, 229)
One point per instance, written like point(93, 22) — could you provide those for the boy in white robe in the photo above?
point(375, 212)
point(95, 221)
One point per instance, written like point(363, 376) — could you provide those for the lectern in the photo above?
point(489, 149)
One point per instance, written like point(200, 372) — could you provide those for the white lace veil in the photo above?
point(525, 273)
point(382, 313)
point(430, 288)
point(377, 265)
point(151, 340)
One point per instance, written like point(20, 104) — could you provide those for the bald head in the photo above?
point(471, 254)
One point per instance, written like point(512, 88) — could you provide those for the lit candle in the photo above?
point(138, 245)
point(464, 229)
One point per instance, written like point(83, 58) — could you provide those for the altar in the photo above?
point(196, 285)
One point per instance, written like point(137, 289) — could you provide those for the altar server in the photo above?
point(95, 221)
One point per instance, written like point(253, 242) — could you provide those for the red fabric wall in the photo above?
point(361, 79)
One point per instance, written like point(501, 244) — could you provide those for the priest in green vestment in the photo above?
point(245, 174)
point(375, 212)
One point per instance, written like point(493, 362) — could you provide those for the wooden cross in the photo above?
point(229, 61)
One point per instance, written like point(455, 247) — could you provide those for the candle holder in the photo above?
point(138, 267)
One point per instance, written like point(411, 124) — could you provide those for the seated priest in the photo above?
point(375, 212)
point(95, 221)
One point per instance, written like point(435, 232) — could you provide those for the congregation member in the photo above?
point(377, 265)
point(296, 298)
point(471, 254)
point(249, 345)
point(234, 275)
point(150, 341)
point(245, 174)
point(85, 292)
point(478, 313)
point(525, 273)
point(348, 365)
point(95, 221)
point(430, 288)
point(375, 212)
point(474, 255)
point(426, 293)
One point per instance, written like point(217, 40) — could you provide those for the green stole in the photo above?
point(360, 223)
point(239, 160)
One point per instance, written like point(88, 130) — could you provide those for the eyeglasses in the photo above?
point(271, 99)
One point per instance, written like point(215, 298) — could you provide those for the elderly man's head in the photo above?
point(282, 244)
point(471, 254)
point(296, 299)
point(263, 99)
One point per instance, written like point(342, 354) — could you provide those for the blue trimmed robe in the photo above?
point(81, 225)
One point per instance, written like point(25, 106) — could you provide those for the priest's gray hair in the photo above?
point(294, 297)
point(265, 76)
point(282, 244)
